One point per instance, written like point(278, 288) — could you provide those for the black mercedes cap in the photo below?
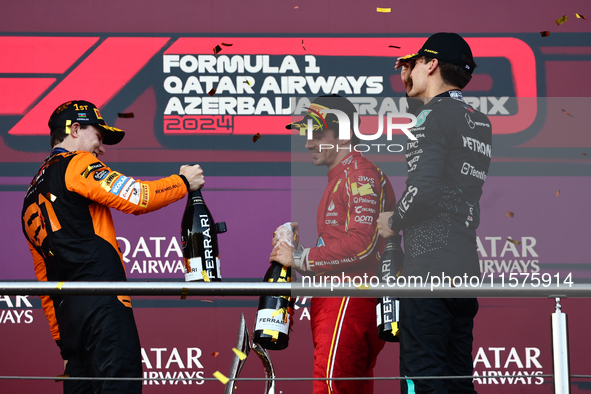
point(84, 112)
point(448, 47)
point(322, 120)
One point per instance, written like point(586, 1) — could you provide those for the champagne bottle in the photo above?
point(387, 309)
point(200, 242)
point(275, 313)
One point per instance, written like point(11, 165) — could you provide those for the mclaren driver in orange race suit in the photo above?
point(66, 219)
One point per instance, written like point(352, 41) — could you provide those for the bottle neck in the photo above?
point(195, 198)
point(196, 193)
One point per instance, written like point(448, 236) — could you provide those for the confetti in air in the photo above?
point(545, 33)
point(558, 193)
point(513, 241)
point(226, 45)
point(385, 10)
point(580, 16)
point(561, 20)
point(205, 276)
point(393, 46)
point(125, 114)
point(217, 49)
point(240, 355)
point(256, 137)
point(221, 377)
point(510, 214)
point(211, 92)
point(303, 46)
point(563, 110)
point(215, 354)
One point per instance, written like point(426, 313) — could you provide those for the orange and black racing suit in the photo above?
point(67, 220)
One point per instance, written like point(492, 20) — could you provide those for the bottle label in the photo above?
point(389, 309)
point(379, 313)
point(266, 321)
point(194, 267)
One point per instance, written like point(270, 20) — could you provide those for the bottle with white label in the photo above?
point(275, 313)
point(387, 308)
point(200, 242)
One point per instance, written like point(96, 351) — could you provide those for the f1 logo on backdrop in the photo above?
point(40, 72)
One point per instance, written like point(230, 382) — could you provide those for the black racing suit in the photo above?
point(438, 214)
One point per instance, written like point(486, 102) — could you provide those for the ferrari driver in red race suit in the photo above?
point(344, 331)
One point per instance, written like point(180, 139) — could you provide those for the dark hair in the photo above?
point(455, 75)
point(59, 134)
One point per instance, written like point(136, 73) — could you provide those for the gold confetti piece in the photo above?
point(221, 377)
point(563, 110)
point(513, 241)
point(211, 92)
point(580, 16)
point(52, 198)
point(226, 45)
point(274, 334)
point(583, 154)
point(393, 46)
point(558, 193)
point(303, 45)
point(256, 137)
point(296, 7)
point(561, 20)
point(184, 293)
point(215, 354)
point(279, 311)
point(206, 300)
point(240, 355)
point(57, 378)
point(248, 82)
point(205, 277)
point(125, 114)
point(545, 33)
point(384, 9)
point(510, 214)
point(217, 49)
point(60, 285)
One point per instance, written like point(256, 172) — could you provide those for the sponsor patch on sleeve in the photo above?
point(135, 194)
point(145, 196)
point(127, 189)
point(100, 175)
point(91, 168)
point(108, 181)
point(118, 186)
point(361, 190)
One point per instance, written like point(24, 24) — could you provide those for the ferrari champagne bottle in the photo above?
point(200, 242)
point(387, 308)
point(275, 313)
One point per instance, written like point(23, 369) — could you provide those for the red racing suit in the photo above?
point(347, 218)
point(346, 342)
point(67, 221)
